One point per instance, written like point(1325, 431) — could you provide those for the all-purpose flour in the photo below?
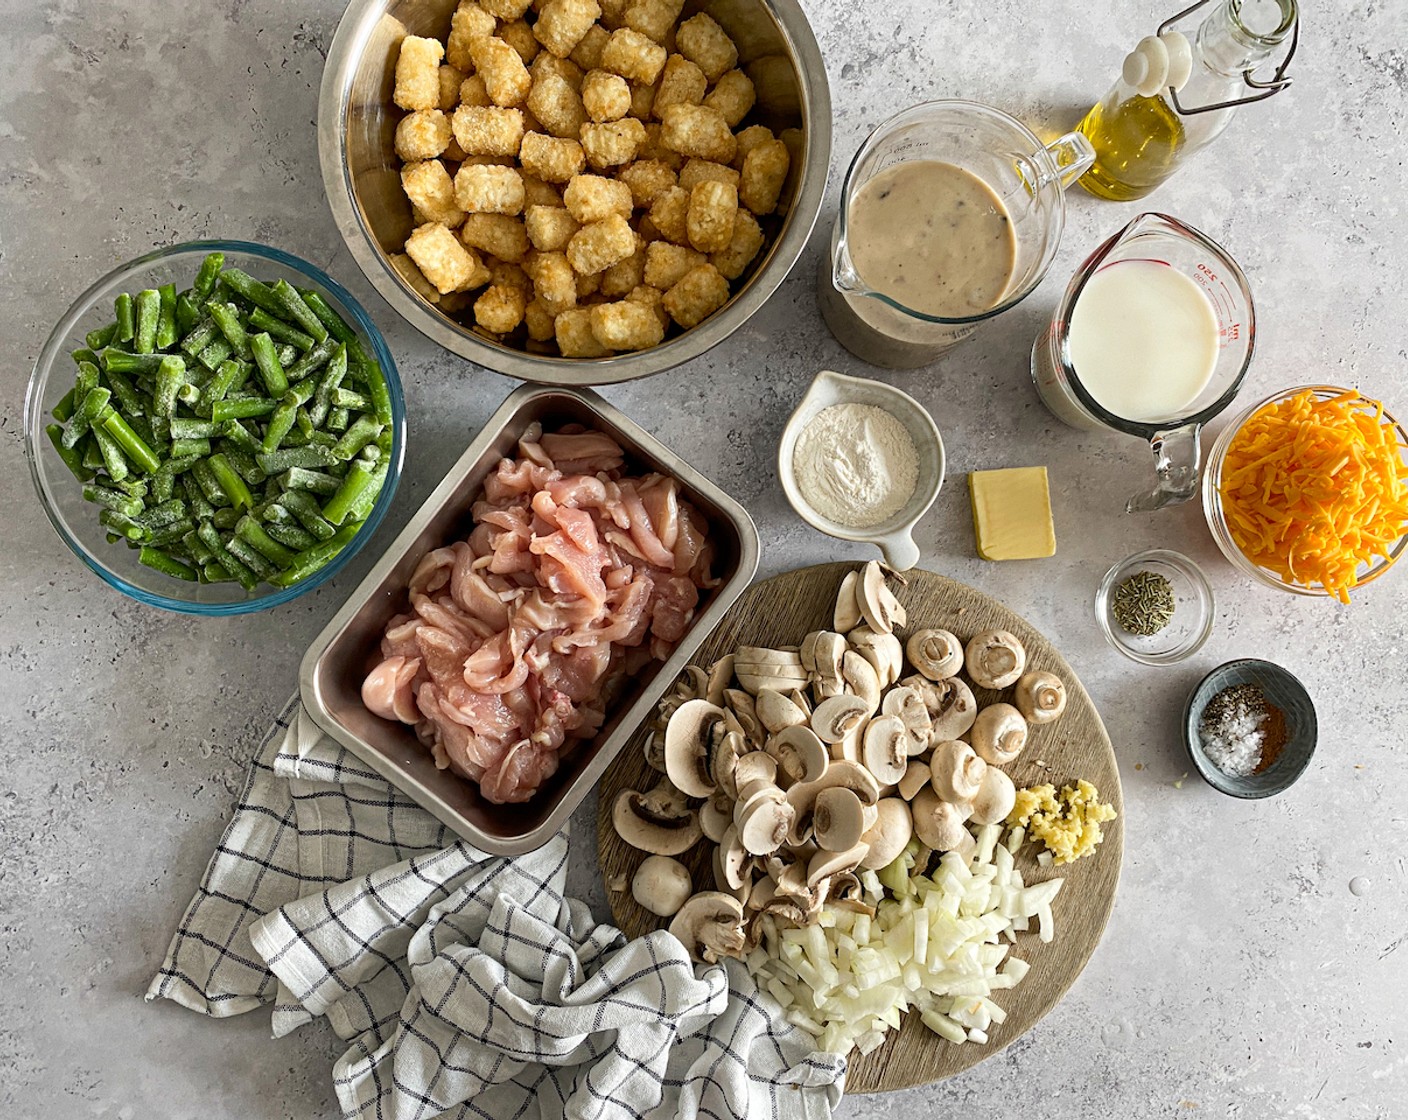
point(855, 465)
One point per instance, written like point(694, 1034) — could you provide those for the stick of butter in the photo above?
point(1012, 513)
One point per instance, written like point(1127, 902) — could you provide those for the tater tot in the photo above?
point(468, 25)
point(749, 139)
point(488, 130)
point(605, 96)
point(614, 143)
point(651, 298)
point(474, 92)
point(500, 308)
point(551, 158)
point(698, 171)
point(764, 172)
point(554, 102)
point(601, 244)
point(536, 192)
point(414, 277)
point(505, 77)
point(550, 228)
point(732, 96)
point(624, 325)
point(539, 321)
point(733, 259)
point(519, 35)
point(488, 190)
point(712, 206)
point(562, 23)
point(696, 295)
point(697, 130)
point(499, 235)
point(573, 330)
point(423, 134)
point(554, 282)
point(647, 179)
point(681, 83)
point(431, 190)
point(655, 18)
point(509, 274)
point(445, 262)
point(506, 9)
point(701, 40)
point(670, 215)
point(451, 78)
point(625, 274)
point(589, 198)
point(452, 303)
point(486, 161)
point(633, 56)
point(418, 73)
point(564, 68)
point(588, 286)
point(654, 148)
point(613, 13)
point(666, 264)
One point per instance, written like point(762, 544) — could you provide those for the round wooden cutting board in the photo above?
point(779, 611)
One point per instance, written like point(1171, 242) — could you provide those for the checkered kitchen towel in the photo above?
point(466, 985)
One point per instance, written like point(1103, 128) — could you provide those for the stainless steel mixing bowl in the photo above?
point(361, 172)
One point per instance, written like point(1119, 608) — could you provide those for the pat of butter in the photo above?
point(1012, 513)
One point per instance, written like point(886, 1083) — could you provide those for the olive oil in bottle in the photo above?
point(1138, 142)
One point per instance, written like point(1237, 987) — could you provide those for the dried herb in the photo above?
point(1143, 604)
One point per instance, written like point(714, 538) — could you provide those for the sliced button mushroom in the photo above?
point(741, 892)
point(661, 885)
point(800, 754)
point(935, 653)
point(847, 613)
point(837, 716)
point(734, 859)
point(755, 766)
point(1040, 696)
point(776, 711)
point(717, 679)
point(869, 814)
point(938, 823)
point(693, 738)
point(764, 891)
point(853, 776)
point(825, 864)
point(995, 659)
point(740, 706)
point(694, 683)
point(916, 776)
point(957, 772)
point(828, 655)
point(660, 821)
point(883, 651)
point(710, 926)
point(889, 834)
point(764, 822)
point(907, 703)
point(847, 748)
point(860, 678)
point(995, 798)
point(715, 815)
point(844, 892)
point(655, 751)
point(838, 819)
point(999, 734)
point(799, 697)
point(950, 703)
point(878, 606)
point(886, 751)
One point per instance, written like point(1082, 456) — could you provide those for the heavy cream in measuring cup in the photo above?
point(1143, 340)
point(933, 237)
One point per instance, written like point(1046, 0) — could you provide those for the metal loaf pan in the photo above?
point(331, 675)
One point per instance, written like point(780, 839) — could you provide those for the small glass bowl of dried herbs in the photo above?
point(1155, 607)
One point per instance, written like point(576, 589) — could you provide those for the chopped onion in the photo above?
point(936, 944)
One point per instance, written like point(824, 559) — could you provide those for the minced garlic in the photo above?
point(1068, 823)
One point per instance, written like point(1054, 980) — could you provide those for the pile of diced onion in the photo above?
point(938, 944)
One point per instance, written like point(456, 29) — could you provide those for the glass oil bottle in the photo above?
point(1176, 95)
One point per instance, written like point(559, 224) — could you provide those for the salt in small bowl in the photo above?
point(895, 535)
point(1282, 690)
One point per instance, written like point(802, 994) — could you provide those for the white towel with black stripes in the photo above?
point(467, 986)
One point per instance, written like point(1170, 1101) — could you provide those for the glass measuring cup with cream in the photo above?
point(1152, 338)
point(950, 214)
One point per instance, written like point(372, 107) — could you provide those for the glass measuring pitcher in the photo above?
point(1026, 180)
point(1172, 426)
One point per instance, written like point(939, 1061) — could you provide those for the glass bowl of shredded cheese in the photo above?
point(1307, 491)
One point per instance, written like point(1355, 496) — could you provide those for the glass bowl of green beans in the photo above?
point(215, 428)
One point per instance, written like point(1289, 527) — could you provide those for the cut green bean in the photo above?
point(294, 536)
point(305, 423)
point(199, 337)
point(166, 317)
point(121, 523)
point(311, 457)
point(187, 313)
point(120, 361)
point(209, 484)
point(308, 514)
point(250, 557)
point(83, 416)
point(261, 320)
point(348, 398)
point(167, 513)
point(126, 320)
point(366, 500)
point(271, 370)
point(131, 443)
point(315, 482)
point(339, 507)
point(125, 392)
point(378, 392)
point(362, 432)
point(298, 311)
point(241, 283)
point(148, 306)
point(245, 409)
point(207, 276)
point(215, 353)
point(234, 486)
point(333, 373)
point(170, 536)
point(71, 456)
point(215, 389)
point(99, 339)
point(312, 361)
point(253, 534)
point(184, 447)
point(226, 518)
point(210, 537)
point(338, 420)
point(316, 558)
point(244, 465)
point(170, 376)
point(113, 499)
point(227, 318)
point(188, 427)
point(114, 461)
point(64, 409)
point(240, 437)
point(165, 563)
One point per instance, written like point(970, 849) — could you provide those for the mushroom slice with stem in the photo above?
point(907, 704)
point(741, 892)
point(693, 738)
point(884, 652)
point(995, 798)
point(764, 891)
point(742, 707)
point(860, 678)
point(950, 703)
point(776, 711)
point(888, 836)
point(655, 750)
point(828, 655)
point(999, 734)
point(916, 776)
point(845, 893)
point(715, 815)
point(660, 821)
point(878, 606)
point(995, 659)
point(710, 926)
point(661, 885)
point(717, 679)
point(853, 776)
point(936, 654)
point(956, 771)
point(825, 864)
point(764, 822)
point(837, 716)
point(693, 684)
point(801, 756)
point(734, 859)
point(755, 766)
point(938, 823)
point(847, 615)
point(1040, 696)
point(886, 751)
point(838, 819)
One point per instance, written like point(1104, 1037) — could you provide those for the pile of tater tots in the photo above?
point(577, 184)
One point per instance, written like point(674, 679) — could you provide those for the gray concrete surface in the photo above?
point(1240, 977)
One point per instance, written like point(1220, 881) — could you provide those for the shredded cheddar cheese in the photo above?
point(1314, 489)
